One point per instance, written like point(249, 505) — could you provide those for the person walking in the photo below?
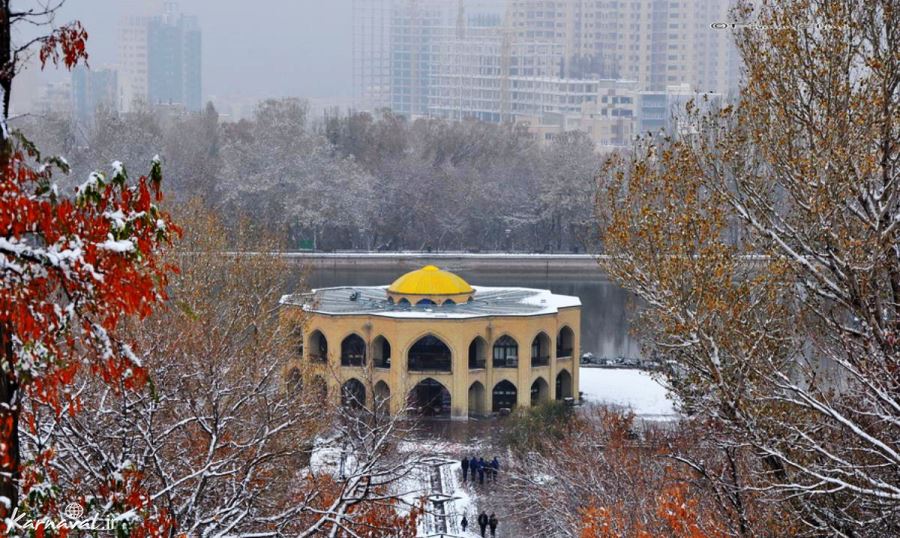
point(465, 468)
point(483, 522)
point(464, 523)
point(495, 466)
point(493, 523)
point(481, 469)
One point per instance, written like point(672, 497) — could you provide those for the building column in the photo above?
point(576, 361)
point(459, 389)
point(553, 369)
point(398, 376)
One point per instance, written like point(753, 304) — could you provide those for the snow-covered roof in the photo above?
point(487, 301)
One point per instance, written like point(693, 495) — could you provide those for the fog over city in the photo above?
point(308, 43)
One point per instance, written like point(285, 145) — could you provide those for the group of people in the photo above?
point(483, 522)
point(480, 468)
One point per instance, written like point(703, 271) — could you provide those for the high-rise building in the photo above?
point(555, 65)
point(160, 57)
point(658, 43)
point(92, 88)
point(133, 61)
point(372, 53)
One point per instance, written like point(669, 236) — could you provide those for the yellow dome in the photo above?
point(430, 280)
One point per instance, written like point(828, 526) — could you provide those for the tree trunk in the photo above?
point(7, 68)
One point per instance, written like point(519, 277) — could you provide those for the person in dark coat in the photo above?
point(465, 468)
point(464, 523)
point(481, 470)
point(483, 522)
point(495, 466)
point(493, 523)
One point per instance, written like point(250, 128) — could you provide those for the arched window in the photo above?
point(449, 302)
point(563, 385)
point(353, 394)
point(425, 302)
point(319, 388)
point(504, 396)
point(430, 398)
point(540, 391)
point(429, 354)
point(294, 381)
point(382, 397)
point(353, 351)
point(381, 352)
point(565, 343)
point(403, 302)
point(506, 353)
point(476, 399)
point(540, 350)
point(477, 352)
point(318, 347)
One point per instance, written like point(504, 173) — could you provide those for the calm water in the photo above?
point(605, 312)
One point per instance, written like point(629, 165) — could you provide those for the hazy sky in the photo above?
point(251, 49)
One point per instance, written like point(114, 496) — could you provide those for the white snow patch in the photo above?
point(121, 246)
point(631, 389)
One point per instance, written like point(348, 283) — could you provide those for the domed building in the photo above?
point(433, 342)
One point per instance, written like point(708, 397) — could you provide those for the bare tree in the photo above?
point(787, 338)
point(222, 441)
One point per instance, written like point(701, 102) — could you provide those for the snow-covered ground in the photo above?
point(632, 389)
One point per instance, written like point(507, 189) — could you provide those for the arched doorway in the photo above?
point(319, 389)
point(353, 394)
point(476, 400)
point(429, 354)
point(382, 397)
point(477, 353)
point(318, 347)
point(563, 385)
point(381, 352)
point(430, 398)
point(506, 352)
point(353, 351)
point(565, 343)
point(540, 392)
point(504, 396)
point(540, 350)
point(294, 381)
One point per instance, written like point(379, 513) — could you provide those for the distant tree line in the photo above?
point(356, 180)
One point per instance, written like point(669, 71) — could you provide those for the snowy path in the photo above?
point(448, 499)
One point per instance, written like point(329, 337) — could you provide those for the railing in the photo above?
point(509, 362)
point(540, 360)
point(429, 364)
point(353, 360)
point(477, 365)
point(563, 352)
point(318, 358)
point(384, 363)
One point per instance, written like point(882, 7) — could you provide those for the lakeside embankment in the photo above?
point(553, 264)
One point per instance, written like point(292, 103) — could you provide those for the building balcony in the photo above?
point(564, 353)
point(353, 360)
point(540, 360)
point(509, 362)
